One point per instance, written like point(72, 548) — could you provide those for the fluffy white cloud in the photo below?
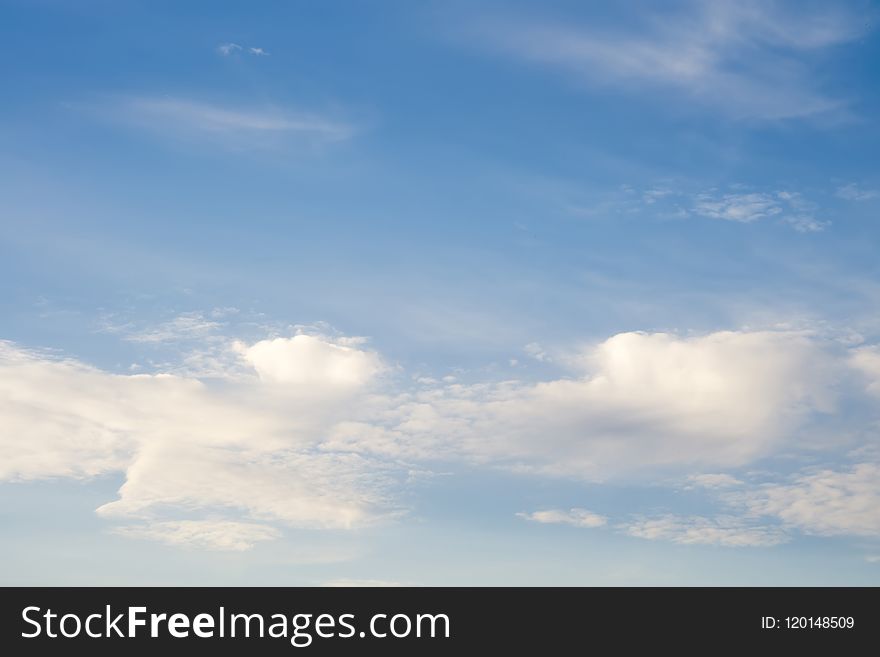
point(203, 534)
point(644, 401)
point(306, 360)
point(867, 361)
point(726, 531)
point(186, 445)
point(575, 517)
point(61, 418)
point(306, 432)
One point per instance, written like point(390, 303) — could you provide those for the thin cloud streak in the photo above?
point(237, 127)
point(738, 58)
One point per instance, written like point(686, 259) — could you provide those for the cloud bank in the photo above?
point(319, 432)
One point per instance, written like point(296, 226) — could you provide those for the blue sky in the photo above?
point(439, 293)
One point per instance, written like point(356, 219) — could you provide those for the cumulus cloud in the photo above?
point(737, 58)
point(61, 418)
point(575, 517)
point(644, 401)
point(189, 446)
point(725, 531)
point(312, 432)
point(867, 361)
point(307, 360)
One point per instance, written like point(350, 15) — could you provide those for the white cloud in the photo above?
point(726, 531)
point(308, 360)
point(227, 49)
point(188, 326)
point(807, 224)
point(293, 487)
point(308, 432)
point(867, 361)
point(575, 517)
point(744, 208)
point(61, 418)
point(747, 207)
point(536, 351)
point(644, 401)
point(852, 192)
point(827, 503)
point(739, 58)
point(651, 196)
point(189, 446)
point(714, 481)
point(232, 126)
point(203, 534)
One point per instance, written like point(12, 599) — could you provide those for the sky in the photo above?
point(439, 293)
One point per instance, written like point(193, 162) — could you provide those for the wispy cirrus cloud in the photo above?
point(725, 531)
point(227, 49)
point(806, 223)
point(230, 48)
point(187, 326)
point(738, 58)
point(827, 502)
point(854, 192)
point(824, 502)
point(736, 203)
point(233, 126)
point(790, 208)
